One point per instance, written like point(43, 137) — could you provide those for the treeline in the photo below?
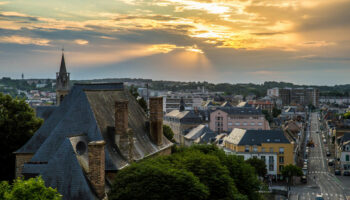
point(259, 90)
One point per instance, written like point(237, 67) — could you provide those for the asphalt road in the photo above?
point(320, 180)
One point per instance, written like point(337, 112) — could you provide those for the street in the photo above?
point(320, 179)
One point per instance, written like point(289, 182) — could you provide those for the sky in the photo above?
point(234, 41)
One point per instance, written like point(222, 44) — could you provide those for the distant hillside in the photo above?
point(229, 89)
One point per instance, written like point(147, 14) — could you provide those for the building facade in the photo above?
point(269, 145)
point(301, 96)
point(226, 119)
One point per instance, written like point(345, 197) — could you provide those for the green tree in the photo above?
point(276, 112)
point(216, 176)
point(168, 133)
point(150, 180)
point(259, 166)
point(33, 188)
point(209, 169)
point(290, 171)
point(142, 103)
point(17, 124)
point(267, 115)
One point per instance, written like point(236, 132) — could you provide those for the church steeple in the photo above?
point(62, 81)
point(63, 69)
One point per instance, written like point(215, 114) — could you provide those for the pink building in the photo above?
point(226, 119)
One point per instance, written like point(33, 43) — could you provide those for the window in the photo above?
point(263, 158)
point(281, 159)
point(281, 167)
point(271, 163)
point(281, 151)
point(255, 157)
point(271, 149)
point(347, 158)
point(262, 149)
point(252, 124)
point(245, 124)
point(246, 148)
point(255, 148)
point(237, 123)
point(230, 123)
point(260, 124)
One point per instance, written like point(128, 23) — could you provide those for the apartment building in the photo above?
point(225, 119)
point(272, 146)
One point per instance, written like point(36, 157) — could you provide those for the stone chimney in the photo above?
point(96, 172)
point(121, 120)
point(156, 119)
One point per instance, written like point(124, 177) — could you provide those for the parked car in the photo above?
point(303, 179)
point(324, 141)
point(337, 172)
point(330, 162)
point(346, 173)
point(328, 153)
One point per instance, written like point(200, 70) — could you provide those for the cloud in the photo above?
point(81, 42)
point(24, 40)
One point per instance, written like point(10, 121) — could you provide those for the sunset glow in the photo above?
point(302, 32)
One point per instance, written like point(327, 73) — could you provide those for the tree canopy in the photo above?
point(33, 188)
point(259, 166)
point(168, 133)
point(17, 124)
point(290, 171)
point(197, 172)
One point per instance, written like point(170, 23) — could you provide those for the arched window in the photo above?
point(61, 98)
point(347, 158)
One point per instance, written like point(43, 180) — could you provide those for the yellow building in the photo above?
point(272, 146)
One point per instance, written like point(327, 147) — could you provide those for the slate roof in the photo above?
point(226, 104)
point(197, 132)
point(240, 110)
point(345, 138)
point(44, 112)
point(187, 116)
point(257, 137)
point(63, 68)
point(86, 114)
point(207, 137)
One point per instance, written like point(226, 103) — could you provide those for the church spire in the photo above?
point(182, 104)
point(63, 69)
point(62, 81)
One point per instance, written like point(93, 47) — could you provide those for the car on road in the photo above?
point(324, 141)
point(346, 173)
point(337, 172)
point(328, 153)
point(319, 197)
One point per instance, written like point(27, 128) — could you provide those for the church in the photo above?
point(94, 131)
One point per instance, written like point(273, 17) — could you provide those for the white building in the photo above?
point(273, 92)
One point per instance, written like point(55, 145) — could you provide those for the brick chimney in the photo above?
point(121, 120)
point(124, 136)
point(96, 172)
point(156, 119)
